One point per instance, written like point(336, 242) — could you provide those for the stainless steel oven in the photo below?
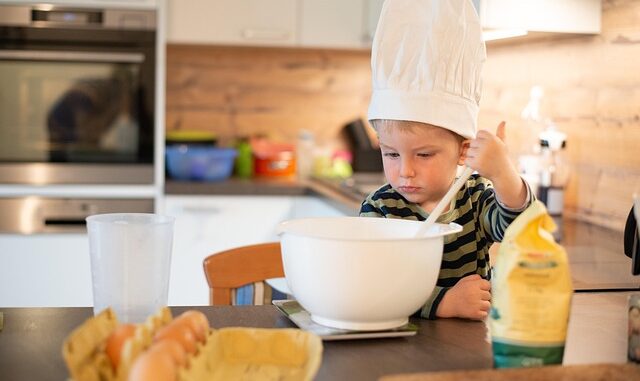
point(77, 95)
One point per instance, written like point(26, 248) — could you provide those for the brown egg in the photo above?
point(153, 366)
point(196, 321)
point(115, 342)
point(173, 349)
point(179, 333)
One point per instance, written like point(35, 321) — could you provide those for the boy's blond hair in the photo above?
point(387, 125)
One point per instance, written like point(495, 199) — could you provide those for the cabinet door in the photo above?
point(141, 4)
point(209, 224)
point(45, 270)
point(373, 9)
point(558, 16)
point(332, 23)
point(307, 206)
point(237, 22)
point(339, 24)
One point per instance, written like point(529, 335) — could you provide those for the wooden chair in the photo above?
point(234, 268)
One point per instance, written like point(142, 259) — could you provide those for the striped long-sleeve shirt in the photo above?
point(482, 217)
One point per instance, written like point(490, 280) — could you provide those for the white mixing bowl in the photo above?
point(361, 273)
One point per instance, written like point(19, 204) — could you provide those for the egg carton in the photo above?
point(84, 349)
point(255, 354)
point(226, 354)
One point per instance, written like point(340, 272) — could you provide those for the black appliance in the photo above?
point(366, 156)
point(631, 243)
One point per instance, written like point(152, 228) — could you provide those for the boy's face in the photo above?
point(420, 162)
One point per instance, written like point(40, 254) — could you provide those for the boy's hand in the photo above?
point(488, 154)
point(469, 298)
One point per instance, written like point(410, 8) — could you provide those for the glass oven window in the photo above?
point(80, 112)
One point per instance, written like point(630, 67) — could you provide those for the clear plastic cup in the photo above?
point(130, 263)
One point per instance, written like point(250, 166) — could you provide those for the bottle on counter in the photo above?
point(305, 147)
point(554, 174)
point(244, 160)
point(544, 165)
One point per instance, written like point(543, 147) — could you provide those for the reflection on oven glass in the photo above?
point(94, 117)
point(73, 112)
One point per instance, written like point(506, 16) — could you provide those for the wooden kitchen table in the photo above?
point(31, 340)
point(31, 344)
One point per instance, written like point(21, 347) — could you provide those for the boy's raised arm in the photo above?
point(488, 154)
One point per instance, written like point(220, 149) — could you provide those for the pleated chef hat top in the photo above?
point(426, 62)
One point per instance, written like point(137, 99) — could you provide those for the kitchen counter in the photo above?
point(344, 198)
point(596, 257)
point(237, 186)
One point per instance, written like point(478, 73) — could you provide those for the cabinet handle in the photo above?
point(201, 209)
point(42, 55)
point(265, 34)
point(70, 222)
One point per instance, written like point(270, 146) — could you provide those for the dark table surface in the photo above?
point(31, 344)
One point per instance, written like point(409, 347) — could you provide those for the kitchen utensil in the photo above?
point(361, 273)
point(433, 216)
point(130, 257)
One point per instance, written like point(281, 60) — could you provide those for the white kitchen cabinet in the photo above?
point(139, 4)
point(308, 206)
point(45, 270)
point(304, 23)
point(339, 24)
point(209, 224)
point(550, 16)
point(332, 23)
point(54, 270)
point(372, 15)
point(232, 22)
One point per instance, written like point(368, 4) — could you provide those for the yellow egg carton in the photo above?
point(255, 354)
point(227, 354)
point(84, 349)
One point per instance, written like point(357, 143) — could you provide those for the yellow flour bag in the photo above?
point(531, 294)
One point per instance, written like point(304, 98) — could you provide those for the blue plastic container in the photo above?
point(199, 163)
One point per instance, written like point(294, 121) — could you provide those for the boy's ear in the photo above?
point(464, 146)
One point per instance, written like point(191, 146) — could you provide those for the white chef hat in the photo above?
point(426, 61)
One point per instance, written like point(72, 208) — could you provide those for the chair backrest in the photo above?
point(230, 269)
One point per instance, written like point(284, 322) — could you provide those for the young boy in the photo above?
point(426, 61)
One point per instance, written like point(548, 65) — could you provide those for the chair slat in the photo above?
point(240, 266)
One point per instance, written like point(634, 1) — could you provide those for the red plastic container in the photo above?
point(273, 159)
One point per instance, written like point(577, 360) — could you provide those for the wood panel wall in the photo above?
point(591, 83)
point(592, 93)
point(240, 91)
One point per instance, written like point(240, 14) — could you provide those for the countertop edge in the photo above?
point(345, 201)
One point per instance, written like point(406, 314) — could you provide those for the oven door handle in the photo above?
point(47, 55)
